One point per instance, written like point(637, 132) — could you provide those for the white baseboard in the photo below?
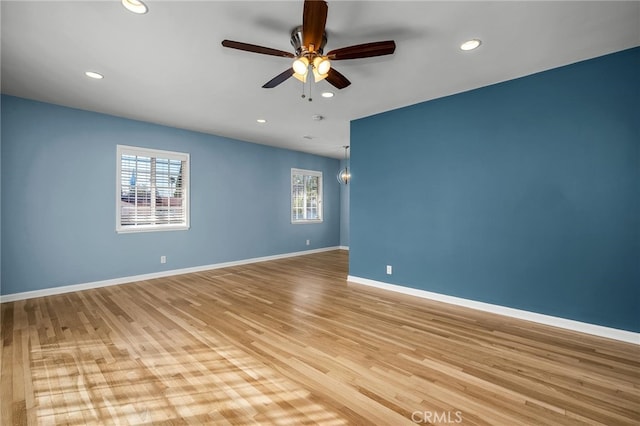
point(343, 248)
point(582, 327)
point(123, 280)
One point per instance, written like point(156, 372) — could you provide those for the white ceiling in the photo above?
point(168, 66)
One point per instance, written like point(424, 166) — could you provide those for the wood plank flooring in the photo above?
point(290, 342)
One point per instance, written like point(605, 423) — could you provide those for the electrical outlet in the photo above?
point(308, 242)
point(163, 259)
point(389, 270)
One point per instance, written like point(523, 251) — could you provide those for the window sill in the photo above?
point(143, 228)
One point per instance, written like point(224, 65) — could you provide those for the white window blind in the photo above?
point(152, 190)
point(306, 196)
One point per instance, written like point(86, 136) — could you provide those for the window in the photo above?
point(306, 196)
point(152, 190)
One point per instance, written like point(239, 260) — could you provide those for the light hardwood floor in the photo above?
point(290, 342)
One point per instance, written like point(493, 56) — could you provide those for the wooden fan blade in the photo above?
point(256, 49)
point(314, 19)
point(336, 79)
point(366, 50)
point(278, 79)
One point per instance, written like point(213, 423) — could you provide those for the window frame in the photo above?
point(186, 196)
point(320, 208)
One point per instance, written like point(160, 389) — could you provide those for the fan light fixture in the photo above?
point(344, 175)
point(320, 66)
point(301, 68)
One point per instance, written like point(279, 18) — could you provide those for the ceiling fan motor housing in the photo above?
point(296, 42)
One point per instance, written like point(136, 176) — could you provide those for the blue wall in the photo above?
point(523, 194)
point(58, 194)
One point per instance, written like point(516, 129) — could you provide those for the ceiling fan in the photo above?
point(308, 41)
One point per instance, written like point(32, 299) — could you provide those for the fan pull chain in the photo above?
point(303, 94)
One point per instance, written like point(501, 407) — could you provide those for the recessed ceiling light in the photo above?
point(470, 44)
point(261, 120)
point(327, 94)
point(92, 74)
point(135, 6)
